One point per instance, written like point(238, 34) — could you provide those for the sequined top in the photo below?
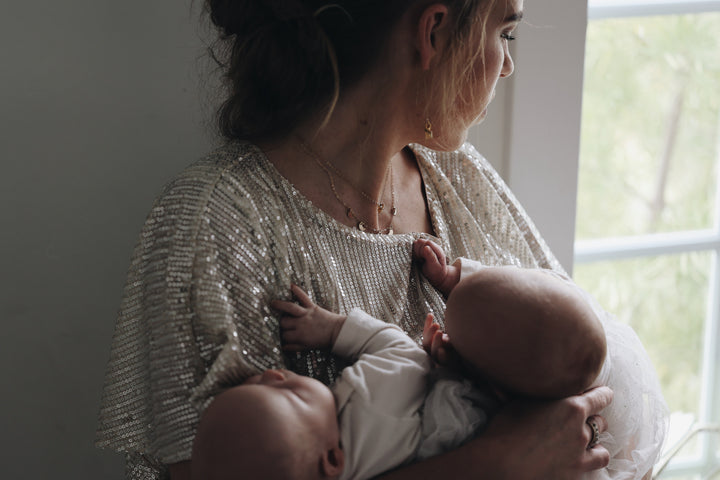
point(230, 234)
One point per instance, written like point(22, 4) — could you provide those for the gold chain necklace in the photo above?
point(380, 205)
point(362, 225)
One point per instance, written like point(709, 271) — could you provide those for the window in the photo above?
point(648, 210)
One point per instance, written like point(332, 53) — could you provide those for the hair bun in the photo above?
point(240, 17)
point(285, 60)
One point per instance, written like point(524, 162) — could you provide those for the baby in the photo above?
point(526, 331)
point(505, 325)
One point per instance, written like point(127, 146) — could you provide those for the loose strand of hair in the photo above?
point(332, 56)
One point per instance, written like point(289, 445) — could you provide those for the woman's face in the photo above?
point(494, 60)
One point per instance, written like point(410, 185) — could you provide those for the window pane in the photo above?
point(649, 147)
point(664, 299)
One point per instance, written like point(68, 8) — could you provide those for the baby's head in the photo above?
point(275, 426)
point(526, 331)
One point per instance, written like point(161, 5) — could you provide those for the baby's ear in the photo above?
point(332, 462)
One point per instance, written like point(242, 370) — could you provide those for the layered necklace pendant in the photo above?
point(364, 228)
point(361, 224)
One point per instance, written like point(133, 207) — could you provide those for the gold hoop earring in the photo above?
point(428, 129)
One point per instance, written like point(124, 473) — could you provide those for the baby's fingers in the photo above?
point(418, 247)
point(428, 321)
point(429, 330)
point(435, 253)
point(437, 347)
point(430, 326)
point(288, 323)
point(291, 338)
point(291, 308)
point(302, 296)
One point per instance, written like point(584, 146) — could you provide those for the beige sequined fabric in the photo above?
point(229, 235)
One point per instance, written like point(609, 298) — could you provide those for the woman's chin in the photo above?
point(480, 118)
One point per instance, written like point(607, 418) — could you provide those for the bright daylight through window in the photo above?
point(648, 211)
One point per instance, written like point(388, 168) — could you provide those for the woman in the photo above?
point(346, 106)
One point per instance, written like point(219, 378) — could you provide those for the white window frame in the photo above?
point(671, 243)
point(642, 8)
point(537, 115)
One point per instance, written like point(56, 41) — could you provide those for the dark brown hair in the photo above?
point(284, 60)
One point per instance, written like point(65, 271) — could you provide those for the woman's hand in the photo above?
point(550, 440)
point(527, 440)
point(306, 325)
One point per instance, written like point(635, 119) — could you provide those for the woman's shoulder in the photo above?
point(466, 169)
point(227, 187)
point(222, 178)
point(466, 160)
point(464, 177)
point(233, 161)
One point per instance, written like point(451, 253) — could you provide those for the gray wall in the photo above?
point(99, 106)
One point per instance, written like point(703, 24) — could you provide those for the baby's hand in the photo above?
point(306, 325)
point(437, 344)
point(434, 265)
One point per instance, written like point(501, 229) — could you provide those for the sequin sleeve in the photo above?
point(199, 266)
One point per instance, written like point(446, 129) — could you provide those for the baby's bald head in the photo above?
point(275, 426)
point(526, 330)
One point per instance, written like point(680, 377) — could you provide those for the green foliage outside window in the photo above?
point(649, 145)
point(663, 299)
point(648, 164)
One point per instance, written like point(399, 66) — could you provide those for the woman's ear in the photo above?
point(430, 33)
point(332, 462)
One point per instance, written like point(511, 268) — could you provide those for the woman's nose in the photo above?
point(508, 65)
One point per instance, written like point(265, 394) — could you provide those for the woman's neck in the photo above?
point(358, 155)
point(365, 133)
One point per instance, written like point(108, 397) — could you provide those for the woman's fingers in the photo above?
point(596, 455)
point(596, 458)
point(596, 400)
point(599, 421)
point(592, 402)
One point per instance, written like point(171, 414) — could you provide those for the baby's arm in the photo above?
point(306, 325)
point(442, 276)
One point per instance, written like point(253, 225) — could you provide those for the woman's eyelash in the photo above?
point(507, 36)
